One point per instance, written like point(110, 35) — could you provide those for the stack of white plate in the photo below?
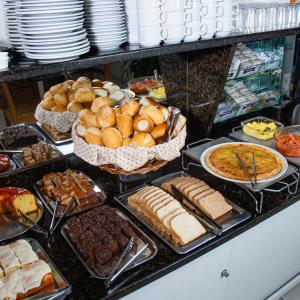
point(11, 21)
point(105, 23)
point(52, 30)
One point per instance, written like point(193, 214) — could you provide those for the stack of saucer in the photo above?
point(52, 31)
point(105, 23)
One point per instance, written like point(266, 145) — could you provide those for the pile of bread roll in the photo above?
point(136, 122)
point(74, 96)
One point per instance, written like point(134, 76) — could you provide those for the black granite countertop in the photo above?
point(85, 287)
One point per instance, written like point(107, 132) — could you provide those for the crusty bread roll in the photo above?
point(110, 86)
point(117, 110)
point(106, 117)
point(78, 84)
point(58, 109)
point(147, 101)
point(100, 92)
point(84, 78)
point(117, 95)
point(143, 140)
point(97, 83)
point(159, 131)
point(98, 102)
point(93, 135)
point(58, 88)
point(71, 95)
point(124, 124)
point(154, 113)
point(130, 108)
point(68, 85)
point(112, 138)
point(126, 142)
point(87, 105)
point(61, 99)
point(83, 95)
point(48, 103)
point(143, 124)
point(47, 95)
point(81, 130)
point(88, 118)
point(74, 107)
point(164, 112)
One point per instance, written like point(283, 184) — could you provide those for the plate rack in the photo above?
point(288, 182)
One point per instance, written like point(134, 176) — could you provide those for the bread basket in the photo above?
point(129, 160)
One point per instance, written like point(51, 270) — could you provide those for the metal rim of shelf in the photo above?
point(292, 187)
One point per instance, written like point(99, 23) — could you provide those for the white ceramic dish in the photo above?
point(57, 50)
point(57, 24)
point(41, 18)
point(53, 36)
point(42, 33)
point(56, 41)
point(30, 12)
point(206, 167)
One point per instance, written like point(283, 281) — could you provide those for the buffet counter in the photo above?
point(166, 261)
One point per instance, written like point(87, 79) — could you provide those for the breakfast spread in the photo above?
point(223, 161)
point(100, 236)
point(262, 130)
point(13, 200)
point(5, 163)
point(166, 215)
point(64, 186)
point(22, 272)
point(18, 136)
point(208, 200)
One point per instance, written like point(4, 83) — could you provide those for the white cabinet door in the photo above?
point(199, 279)
point(265, 257)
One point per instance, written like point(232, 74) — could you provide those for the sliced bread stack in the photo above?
point(211, 202)
point(166, 215)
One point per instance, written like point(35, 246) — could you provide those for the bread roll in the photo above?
point(110, 86)
point(143, 140)
point(81, 130)
point(84, 78)
point(58, 88)
point(126, 142)
point(58, 109)
point(68, 85)
point(130, 108)
point(83, 95)
point(47, 95)
point(112, 138)
point(88, 118)
point(165, 112)
point(106, 117)
point(154, 113)
point(74, 107)
point(159, 131)
point(71, 95)
point(97, 83)
point(48, 103)
point(100, 92)
point(117, 95)
point(81, 84)
point(93, 136)
point(87, 105)
point(61, 99)
point(143, 124)
point(147, 101)
point(98, 102)
point(125, 125)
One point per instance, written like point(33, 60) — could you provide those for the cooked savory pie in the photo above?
point(223, 160)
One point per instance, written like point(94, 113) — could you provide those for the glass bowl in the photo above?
point(144, 85)
point(261, 128)
point(288, 140)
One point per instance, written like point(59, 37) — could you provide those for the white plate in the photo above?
point(51, 11)
point(57, 50)
point(50, 4)
point(41, 18)
point(35, 32)
point(206, 167)
point(55, 46)
point(53, 25)
point(49, 22)
point(54, 35)
point(55, 41)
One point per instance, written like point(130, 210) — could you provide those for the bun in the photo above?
point(126, 142)
point(147, 101)
point(164, 112)
point(83, 78)
point(159, 131)
point(110, 86)
point(112, 138)
point(88, 118)
point(58, 109)
point(143, 124)
point(143, 140)
point(124, 124)
point(117, 95)
point(98, 102)
point(93, 136)
point(68, 85)
point(84, 95)
point(106, 117)
point(81, 84)
point(130, 108)
point(71, 95)
point(58, 88)
point(87, 105)
point(81, 130)
point(48, 103)
point(100, 92)
point(47, 95)
point(61, 99)
point(97, 83)
point(74, 107)
point(154, 113)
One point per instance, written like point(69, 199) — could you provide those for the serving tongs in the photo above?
point(245, 170)
point(171, 125)
point(192, 208)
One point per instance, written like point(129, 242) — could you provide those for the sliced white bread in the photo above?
point(157, 200)
point(167, 219)
point(169, 208)
point(199, 193)
point(192, 187)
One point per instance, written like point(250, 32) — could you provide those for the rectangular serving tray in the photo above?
point(101, 196)
point(123, 200)
point(62, 287)
point(47, 133)
point(148, 254)
point(229, 220)
point(41, 137)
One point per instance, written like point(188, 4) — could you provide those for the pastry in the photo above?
point(112, 138)
point(143, 123)
point(124, 125)
point(74, 107)
point(159, 131)
point(61, 99)
point(13, 199)
point(130, 108)
point(154, 113)
point(106, 117)
point(143, 140)
point(83, 95)
point(99, 102)
point(55, 134)
point(5, 164)
point(23, 251)
point(93, 136)
point(8, 261)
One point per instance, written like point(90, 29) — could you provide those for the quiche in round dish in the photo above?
point(223, 161)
